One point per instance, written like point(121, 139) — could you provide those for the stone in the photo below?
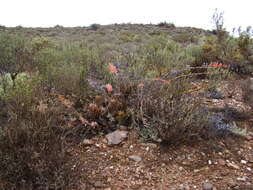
point(221, 162)
point(218, 125)
point(243, 179)
point(184, 187)
point(135, 158)
point(245, 187)
point(232, 165)
point(87, 142)
point(98, 184)
point(214, 93)
point(248, 137)
point(207, 186)
point(116, 137)
point(150, 145)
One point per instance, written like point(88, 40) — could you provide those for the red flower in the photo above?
point(108, 88)
point(218, 65)
point(112, 68)
point(160, 79)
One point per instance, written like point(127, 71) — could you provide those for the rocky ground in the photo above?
point(122, 160)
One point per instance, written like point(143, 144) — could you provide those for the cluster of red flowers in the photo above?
point(112, 69)
point(218, 65)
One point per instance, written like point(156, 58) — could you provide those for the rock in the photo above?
point(248, 137)
point(116, 137)
point(87, 142)
point(218, 125)
point(150, 145)
point(221, 162)
point(213, 93)
point(245, 187)
point(98, 184)
point(232, 165)
point(232, 183)
point(123, 128)
point(184, 187)
point(135, 158)
point(243, 179)
point(207, 186)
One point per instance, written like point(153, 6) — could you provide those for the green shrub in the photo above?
point(167, 111)
point(245, 43)
point(184, 38)
point(40, 43)
point(33, 152)
point(32, 143)
point(7, 84)
point(95, 26)
point(159, 56)
point(14, 56)
point(166, 25)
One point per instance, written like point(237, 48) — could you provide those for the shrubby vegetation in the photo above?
point(47, 88)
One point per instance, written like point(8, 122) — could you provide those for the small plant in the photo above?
point(166, 24)
point(169, 112)
point(15, 55)
point(32, 143)
point(95, 26)
point(184, 38)
point(245, 43)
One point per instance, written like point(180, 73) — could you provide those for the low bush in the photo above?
point(185, 38)
point(168, 111)
point(166, 24)
point(34, 153)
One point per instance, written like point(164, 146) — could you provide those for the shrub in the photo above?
point(247, 89)
point(166, 25)
point(159, 56)
point(14, 55)
point(184, 38)
point(95, 26)
point(245, 43)
point(32, 144)
point(169, 112)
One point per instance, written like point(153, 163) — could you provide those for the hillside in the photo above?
point(125, 106)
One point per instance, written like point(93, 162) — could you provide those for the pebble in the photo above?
point(116, 137)
point(135, 158)
point(184, 187)
point(222, 162)
point(207, 186)
point(151, 145)
point(98, 184)
point(87, 142)
point(248, 137)
point(243, 179)
point(233, 166)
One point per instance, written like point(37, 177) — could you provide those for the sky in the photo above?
point(194, 13)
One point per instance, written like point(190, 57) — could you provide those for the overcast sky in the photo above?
point(196, 13)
